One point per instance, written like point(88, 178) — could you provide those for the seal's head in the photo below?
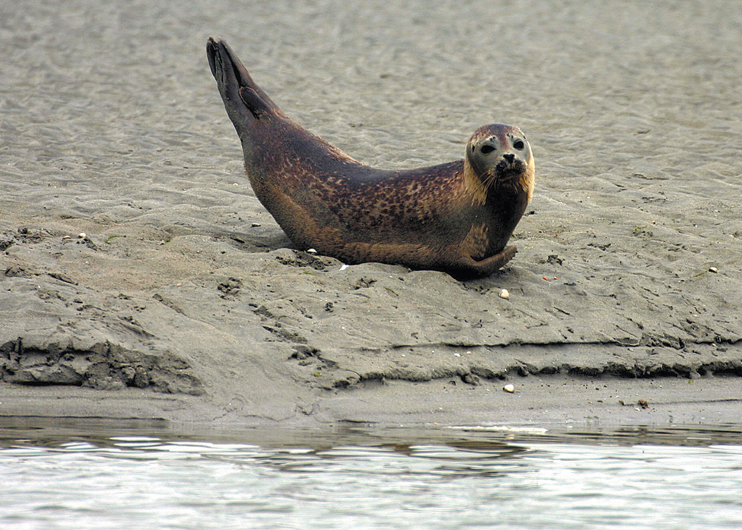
point(500, 158)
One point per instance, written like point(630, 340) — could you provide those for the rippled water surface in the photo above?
point(92, 475)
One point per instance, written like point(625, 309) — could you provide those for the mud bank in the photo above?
point(139, 275)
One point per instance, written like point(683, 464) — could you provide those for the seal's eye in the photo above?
point(487, 149)
point(519, 144)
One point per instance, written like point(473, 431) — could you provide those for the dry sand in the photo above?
point(140, 277)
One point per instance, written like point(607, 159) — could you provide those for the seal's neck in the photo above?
point(473, 185)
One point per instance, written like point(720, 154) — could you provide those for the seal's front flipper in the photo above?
point(489, 265)
point(239, 92)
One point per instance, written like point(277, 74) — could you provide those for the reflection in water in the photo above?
point(87, 474)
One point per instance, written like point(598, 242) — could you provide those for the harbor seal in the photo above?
point(455, 217)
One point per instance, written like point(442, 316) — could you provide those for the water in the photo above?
point(91, 474)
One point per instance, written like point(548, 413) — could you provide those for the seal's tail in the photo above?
point(239, 92)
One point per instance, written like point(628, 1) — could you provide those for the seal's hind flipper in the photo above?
point(257, 105)
point(235, 84)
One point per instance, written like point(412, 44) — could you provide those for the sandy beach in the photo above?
point(141, 278)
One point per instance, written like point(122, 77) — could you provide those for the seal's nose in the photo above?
point(509, 157)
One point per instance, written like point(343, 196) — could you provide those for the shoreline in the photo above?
point(551, 402)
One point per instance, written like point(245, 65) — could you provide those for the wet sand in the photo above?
point(140, 276)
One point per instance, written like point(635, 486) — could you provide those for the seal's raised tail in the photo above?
point(239, 92)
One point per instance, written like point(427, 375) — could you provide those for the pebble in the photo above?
point(504, 294)
point(311, 251)
point(509, 388)
point(82, 235)
point(713, 269)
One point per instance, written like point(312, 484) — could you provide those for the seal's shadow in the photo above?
point(262, 240)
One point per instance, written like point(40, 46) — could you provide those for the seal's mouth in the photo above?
point(506, 174)
point(509, 169)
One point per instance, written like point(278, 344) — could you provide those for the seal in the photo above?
point(455, 217)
